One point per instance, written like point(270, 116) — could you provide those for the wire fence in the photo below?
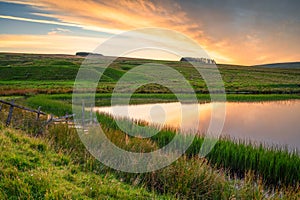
point(24, 118)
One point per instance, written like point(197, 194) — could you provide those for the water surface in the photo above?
point(273, 122)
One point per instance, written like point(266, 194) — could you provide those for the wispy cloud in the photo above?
point(94, 28)
point(39, 21)
point(23, 2)
point(58, 31)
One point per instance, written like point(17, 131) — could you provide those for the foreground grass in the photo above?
point(31, 169)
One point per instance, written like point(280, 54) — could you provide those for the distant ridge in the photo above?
point(291, 65)
point(84, 54)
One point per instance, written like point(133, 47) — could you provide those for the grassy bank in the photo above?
point(31, 169)
point(63, 102)
point(189, 177)
point(274, 165)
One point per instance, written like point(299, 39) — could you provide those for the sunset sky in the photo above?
point(232, 31)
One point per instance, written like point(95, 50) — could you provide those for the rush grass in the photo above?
point(190, 177)
point(275, 165)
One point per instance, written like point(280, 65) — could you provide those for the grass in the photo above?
point(50, 105)
point(187, 178)
point(31, 169)
point(27, 74)
point(63, 102)
point(276, 166)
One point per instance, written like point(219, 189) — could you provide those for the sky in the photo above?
point(246, 32)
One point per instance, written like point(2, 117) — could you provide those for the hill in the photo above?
point(23, 74)
point(287, 65)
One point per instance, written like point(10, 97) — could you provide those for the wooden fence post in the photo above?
point(11, 109)
point(67, 118)
point(38, 113)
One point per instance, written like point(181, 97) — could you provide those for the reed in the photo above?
point(189, 177)
point(274, 164)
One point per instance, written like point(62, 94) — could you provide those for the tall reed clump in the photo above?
point(276, 166)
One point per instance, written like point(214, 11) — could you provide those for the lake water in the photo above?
point(272, 122)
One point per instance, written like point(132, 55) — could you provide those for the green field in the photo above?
point(27, 74)
point(61, 167)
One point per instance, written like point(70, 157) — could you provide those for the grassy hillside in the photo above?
point(31, 169)
point(31, 74)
